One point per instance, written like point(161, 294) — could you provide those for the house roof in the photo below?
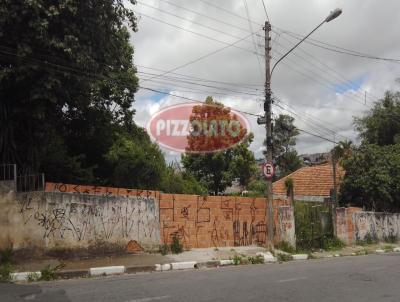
point(310, 181)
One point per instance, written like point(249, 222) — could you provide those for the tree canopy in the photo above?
point(372, 178)
point(67, 85)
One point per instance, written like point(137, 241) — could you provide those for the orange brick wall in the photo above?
point(212, 221)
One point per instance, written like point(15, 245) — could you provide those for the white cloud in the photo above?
point(365, 25)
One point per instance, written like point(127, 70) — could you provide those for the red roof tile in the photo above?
point(310, 181)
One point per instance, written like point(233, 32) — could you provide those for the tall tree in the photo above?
point(284, 137)
point(243, 165)
point(381, 126)
point(67, 84)
point(372, 170)
point(216, 170)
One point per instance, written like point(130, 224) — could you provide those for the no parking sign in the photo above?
point(268, 170)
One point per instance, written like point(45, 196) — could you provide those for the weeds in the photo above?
point(5, 272)
point(368, 239)
point(164, 249)
point(284, 257)
point(48, 273)
point(285, 246)
point(6, 265)
point(332, 243)
point(256, 260)
point(176, 246)
point(33, 277)
point(390, 239)
point(237, 259)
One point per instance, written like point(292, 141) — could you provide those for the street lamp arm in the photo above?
point(301, 41)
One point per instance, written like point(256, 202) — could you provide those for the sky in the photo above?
point(323, 90)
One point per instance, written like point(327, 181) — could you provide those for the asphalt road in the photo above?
point(363, 278)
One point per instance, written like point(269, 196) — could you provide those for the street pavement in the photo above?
point(359, 278)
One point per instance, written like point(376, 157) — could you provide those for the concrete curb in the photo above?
point(183, 265)
point(300, 257)
point(23, 276)
point(106, 270)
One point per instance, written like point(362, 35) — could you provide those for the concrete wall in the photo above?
point(49, 220)
point(72, 216)
point(353, 224)
point(380, 226)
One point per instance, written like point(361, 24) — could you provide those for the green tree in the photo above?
point(181, 183)
point(67, 85)
point(136, 163)
point(284, 137)
point(372, 178)
point(381, 126)
point(211, 169)
point(243, 165)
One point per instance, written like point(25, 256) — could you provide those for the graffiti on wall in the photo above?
point(81, 219)
point(98, 190)
point(376, 226)
point(204, 221)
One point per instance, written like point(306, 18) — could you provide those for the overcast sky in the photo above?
point(319, 85)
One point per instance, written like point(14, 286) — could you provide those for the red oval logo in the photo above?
point(198, 127)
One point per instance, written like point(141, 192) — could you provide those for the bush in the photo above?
point(176, 246)
point(390, 239)
point(285, 247)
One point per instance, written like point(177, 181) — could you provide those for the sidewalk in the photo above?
point(139, 260)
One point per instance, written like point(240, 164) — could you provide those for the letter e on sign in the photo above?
point(268, 170)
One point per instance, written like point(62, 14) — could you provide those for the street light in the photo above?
point(268, 113)
point(333, 15)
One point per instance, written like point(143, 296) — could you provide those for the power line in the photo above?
point(337, 49)
point(206, 16)
point(203, 56)
point(251, 30)
point(193, 100)
point(189, 20)
point(265, 10)
point(196, 33)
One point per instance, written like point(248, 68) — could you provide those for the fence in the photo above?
point(8, 172)
point(30, 183)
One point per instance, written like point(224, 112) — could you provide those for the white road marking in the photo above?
point(149, 299)
point(292, 279)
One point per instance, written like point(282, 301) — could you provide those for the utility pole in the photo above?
point(268, 127)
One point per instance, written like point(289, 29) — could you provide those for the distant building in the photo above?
point(311, 183)
point(315, 158)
